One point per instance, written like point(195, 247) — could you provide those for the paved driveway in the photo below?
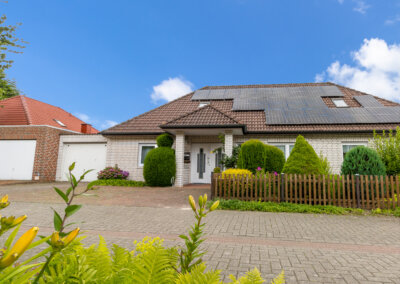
point(310, 248)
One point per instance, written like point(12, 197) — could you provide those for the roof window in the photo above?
point(202, 104)
point(340, 103)
point(59, 122)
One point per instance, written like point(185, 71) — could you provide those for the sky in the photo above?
point(108, 61)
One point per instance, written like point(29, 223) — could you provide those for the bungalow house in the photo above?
point(30, 132)
point(332, 118)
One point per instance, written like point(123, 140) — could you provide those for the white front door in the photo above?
point(16, 159)
point(87, 156)
point(202, 162)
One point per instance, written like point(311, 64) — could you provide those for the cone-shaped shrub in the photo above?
point(159, 167)
point(165, 140)
point(274, 159)
point(302, 159)
point(364, 161)
point(251, 155)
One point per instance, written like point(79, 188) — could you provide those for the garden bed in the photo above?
point(119, 182)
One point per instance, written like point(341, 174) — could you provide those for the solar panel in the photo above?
point(302, 105)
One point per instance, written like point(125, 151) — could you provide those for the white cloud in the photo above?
point(84, 117)
point(393, 20)
point(340, 1)
point(376, 70)
point(171, 89)
point(361, 7)
point(108, 124)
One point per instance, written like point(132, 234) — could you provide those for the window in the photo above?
point(285, 148)
point(339, 103)
point(201, 104)
point(143, 150)
point(59, 122)
point(348, 147)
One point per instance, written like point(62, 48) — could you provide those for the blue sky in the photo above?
point(108, 61)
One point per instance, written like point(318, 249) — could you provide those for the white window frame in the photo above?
point(141, 145)
point(340, 100)
point(287, 148)
point(353, 144)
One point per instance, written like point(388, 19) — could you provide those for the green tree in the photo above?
point(302, 159)
point(364, 161)
point(251, 155)
point(8, 88)
point(387, 146)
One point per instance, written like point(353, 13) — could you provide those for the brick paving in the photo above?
point(310, 248)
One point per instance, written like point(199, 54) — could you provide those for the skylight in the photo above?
point(339, 103)
point(202, 104)
point(59, 122)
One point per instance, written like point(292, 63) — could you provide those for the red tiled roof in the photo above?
point(21, 110)
point(205, 116)
point(255, 121)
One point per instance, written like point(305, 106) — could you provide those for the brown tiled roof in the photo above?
point(21, 110)
point(255, 121)
point(206, 116)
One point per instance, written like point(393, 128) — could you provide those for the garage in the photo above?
point(16, 159)
point(86, 156)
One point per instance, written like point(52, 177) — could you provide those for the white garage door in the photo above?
point(16, 159)
point(86, 156)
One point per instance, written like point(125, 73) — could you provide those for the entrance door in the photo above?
point(203, 162)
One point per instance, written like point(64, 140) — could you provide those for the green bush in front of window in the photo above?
point(302, 159)
point(388, 147)
point(364, 161)
point(251, 155)
point(274, 159)
point(165, 140)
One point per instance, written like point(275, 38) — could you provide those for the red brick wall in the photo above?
point(47, 140)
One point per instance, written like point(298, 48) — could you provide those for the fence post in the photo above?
point(283, 188)
point(358, 190)
point(212, 186)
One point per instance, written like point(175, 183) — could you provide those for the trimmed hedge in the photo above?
point(119, 182)
point(251, 155)
point(274, 159)
point(165, 140)
point(364, 161)
point(302, 159)
point(159, 167)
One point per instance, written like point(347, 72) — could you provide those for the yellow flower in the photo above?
point(192, 203)
point(214, 206)
point(19, 247)
point(4, 202)
point(10, 222)
point(59, 243)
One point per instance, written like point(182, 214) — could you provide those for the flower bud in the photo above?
point(4, 202)
point(201, 201)
point(205, 198)
point(192, 203)
point(214, 206)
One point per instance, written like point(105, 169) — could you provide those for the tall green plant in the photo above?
point(251, 155)
point(387, 146)
point(302, 159)
point(274, 159)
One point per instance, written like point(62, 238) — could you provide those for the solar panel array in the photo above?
point(302, 105)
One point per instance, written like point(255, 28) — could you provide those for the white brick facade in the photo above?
point(179, 154)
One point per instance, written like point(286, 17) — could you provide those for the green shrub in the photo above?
point(165, 140)
point(159, 167)
point(119, 182)
point(231, 161)
point(302, 159)
point(364, 161)
point(274, 159)
point(251, 155)
point(388, 148)
point(325, 165)
point(217, 170)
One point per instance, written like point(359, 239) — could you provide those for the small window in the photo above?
point(348, 147)
point(285, 148)
point(202, 104)
point(144, 149)
point(60, 123)
point(339, 103)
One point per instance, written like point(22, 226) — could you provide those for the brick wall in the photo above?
point(46, 154)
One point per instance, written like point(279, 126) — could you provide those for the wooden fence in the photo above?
point(357, 191)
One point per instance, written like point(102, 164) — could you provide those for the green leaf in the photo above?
point(72, 209)
point(68, 191)
point(85, 173)
point(11, 237)
point(71, 167)
point(40, 254)
point(57, 221)
point(42, 240)
point(62, 194)
point(90, 185)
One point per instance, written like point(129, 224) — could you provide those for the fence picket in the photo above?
point(295, 188)
point(398, 190)
point(286, 189)
point(354, 192)
point(362, 187)
point(367, 192)
point(392, 191)
point(382, 193)
point(334, 190)
point(278, 188)
point(324, 189)
point(387, 192)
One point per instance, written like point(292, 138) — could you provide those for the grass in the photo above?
point(119, 182)
point(298, 208)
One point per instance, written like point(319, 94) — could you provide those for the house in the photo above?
point(332, 118)
point(29, 138)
